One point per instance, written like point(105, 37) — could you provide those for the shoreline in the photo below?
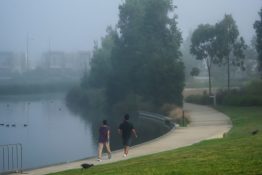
point(205, 123)
point(95, 157)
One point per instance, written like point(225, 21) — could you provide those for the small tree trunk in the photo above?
point(209, 77)
point(209, 80)
point(228, 74)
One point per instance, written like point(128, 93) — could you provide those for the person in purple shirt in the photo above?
point(103, 140)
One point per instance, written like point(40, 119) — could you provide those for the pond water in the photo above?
point(50, 133)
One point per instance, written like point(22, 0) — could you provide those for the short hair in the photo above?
point(126, 117)
point(104, 122)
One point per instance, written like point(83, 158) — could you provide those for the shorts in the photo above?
point(126, 141)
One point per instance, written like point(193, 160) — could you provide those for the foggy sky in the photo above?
point(191, 13)
point(73, 25)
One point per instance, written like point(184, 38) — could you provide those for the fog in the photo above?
point(192, 13)
point(74, 25)
point(48, 85)
point(62, 25)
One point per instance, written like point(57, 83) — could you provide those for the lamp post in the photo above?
point(27, 52)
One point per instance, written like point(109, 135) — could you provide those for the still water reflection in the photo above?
point(50, 133)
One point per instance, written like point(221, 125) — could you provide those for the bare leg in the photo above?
point(108, 149)
point(100, 149)
point(126, 150)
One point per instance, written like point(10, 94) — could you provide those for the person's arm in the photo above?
point(119, 131)
point(134, 132)
point(108, 134)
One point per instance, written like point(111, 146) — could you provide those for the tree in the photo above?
point(195, 71)
point(230, 46)
point(140, 59)
point(251, 63)
point(258, 28)
point(100, 63)
point(203, 47)
point(146, 60)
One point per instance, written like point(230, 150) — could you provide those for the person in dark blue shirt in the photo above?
point(126, 129)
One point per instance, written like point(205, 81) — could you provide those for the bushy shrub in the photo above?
point(242, 100)
point(86, 98)
point(199, 99)
point(132, 103)
point(77, 96)
point(250, 95)
point(254, 87)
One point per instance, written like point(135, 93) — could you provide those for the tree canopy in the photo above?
point(219, 44)
point(230, 45)
point(258, 28)
point(141, 57)
point(204, 46)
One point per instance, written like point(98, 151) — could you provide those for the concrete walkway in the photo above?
point(205, 123)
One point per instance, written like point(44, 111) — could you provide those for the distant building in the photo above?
point(11, 63)
point(58, 60)
point(82, 61)
point(54, 60)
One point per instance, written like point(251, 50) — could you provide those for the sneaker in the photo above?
point(124, 155)
point(99, 160)
point(109, 156)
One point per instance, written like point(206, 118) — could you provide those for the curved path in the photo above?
point(205, 123)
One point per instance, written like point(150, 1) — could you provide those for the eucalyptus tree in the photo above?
point(230, 45)
point(258, 28)
point(203, 46)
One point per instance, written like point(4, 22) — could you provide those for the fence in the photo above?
point(153, 116)
point(11, 158)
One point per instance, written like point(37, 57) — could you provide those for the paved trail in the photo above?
point(205, 123)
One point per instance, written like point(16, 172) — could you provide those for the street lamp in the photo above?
point(27, 51)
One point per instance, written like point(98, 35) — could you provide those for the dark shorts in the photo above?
point(126, 141)
point(102, 140)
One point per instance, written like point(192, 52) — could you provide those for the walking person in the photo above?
point(104, 135)
point(126, 129)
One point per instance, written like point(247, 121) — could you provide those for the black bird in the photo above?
point(25, 125)
point(7, 125)
point(86, 165)
point(13, 125)
point(1, 124)
point(254, 132)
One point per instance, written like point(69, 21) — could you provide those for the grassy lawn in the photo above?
point(238, 153)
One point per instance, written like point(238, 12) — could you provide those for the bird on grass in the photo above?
point(86, 165)
point(254, 132)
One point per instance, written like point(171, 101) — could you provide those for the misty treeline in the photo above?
point(138, 65)
point(223, 52)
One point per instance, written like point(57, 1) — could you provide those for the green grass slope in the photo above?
point(239, 152)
